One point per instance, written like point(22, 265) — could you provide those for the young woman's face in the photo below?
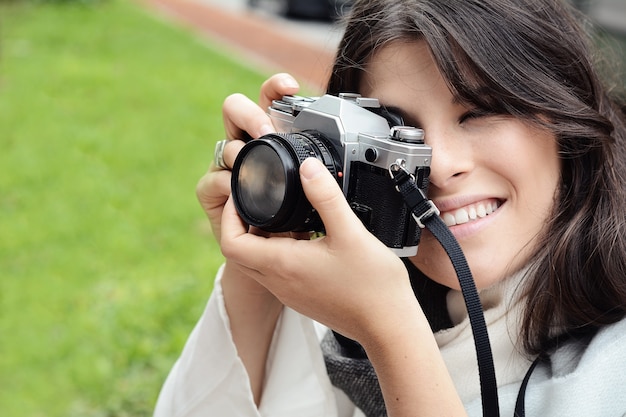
point(493, 177)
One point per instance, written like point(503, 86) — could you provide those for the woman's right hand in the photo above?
point(242, 118)
point(252, 309)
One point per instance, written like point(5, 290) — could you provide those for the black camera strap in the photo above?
point(426, 215)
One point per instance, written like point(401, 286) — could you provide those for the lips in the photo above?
point(470, 212)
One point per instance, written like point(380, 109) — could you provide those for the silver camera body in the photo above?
point(359, 143)
point(350, 122)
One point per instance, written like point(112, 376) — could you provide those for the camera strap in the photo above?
point(426, 215)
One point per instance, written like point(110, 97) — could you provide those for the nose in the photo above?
point(452, 158)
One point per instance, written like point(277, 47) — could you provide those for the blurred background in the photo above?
point(109, 110)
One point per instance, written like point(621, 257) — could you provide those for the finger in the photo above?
point(236, 243)
point(212, 192)
point(277, 86)
point(326, 196)
point(230, 151)
point(255, 251)
point(243, 115)
point(232, 224)
point(213, 189)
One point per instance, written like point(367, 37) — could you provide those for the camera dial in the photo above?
point(407, 134)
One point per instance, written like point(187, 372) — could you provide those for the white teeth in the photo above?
point(469, 213)
point(461, 216)
point(449, 219)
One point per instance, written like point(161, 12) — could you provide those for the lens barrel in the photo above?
point(266, 186)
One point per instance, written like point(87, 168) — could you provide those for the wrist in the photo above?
point(253, 313)
point(397, 325)
point(411, 371)
point(234, 280)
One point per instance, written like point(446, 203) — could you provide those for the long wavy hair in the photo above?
point(532, 59)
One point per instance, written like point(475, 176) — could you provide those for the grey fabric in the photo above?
point(355, 377)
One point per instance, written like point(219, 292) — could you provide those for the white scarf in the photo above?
point(502, 309)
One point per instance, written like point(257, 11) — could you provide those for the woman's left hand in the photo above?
point(352, 283)
point(347, 280)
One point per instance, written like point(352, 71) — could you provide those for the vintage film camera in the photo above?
point(358, 141)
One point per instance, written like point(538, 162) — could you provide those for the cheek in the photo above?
point(525, 169)
point(535, 176)
point(526, 160)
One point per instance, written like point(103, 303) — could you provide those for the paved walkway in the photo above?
point(304, 49)
point(268, 43)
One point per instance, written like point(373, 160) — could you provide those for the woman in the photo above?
point(528, 173)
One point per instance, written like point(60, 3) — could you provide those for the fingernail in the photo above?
point(290, 82)
point(265, 130)
point(311, 168)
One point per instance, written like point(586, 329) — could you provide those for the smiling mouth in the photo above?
point(470, 213)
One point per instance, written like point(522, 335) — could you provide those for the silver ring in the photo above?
point(219, 154)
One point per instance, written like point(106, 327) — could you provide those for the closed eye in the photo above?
point(475, 114)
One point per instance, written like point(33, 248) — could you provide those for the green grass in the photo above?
point(107, 119)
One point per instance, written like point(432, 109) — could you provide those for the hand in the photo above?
point(347, 279)
point(252, 310)
point(243, 115)
point(240, 115)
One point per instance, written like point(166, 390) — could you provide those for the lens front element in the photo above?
point(262, 183)
point(266, 185)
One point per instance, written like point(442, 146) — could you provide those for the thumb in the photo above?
point(326, 196)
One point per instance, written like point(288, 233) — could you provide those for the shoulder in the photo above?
point(611, 336)
point(608, 345)
point(583, 378)
point(586, 377)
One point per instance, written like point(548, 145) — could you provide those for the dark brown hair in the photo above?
point(530, 59)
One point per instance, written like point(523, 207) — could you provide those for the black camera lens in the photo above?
point(262, 181)
point(266, 186)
